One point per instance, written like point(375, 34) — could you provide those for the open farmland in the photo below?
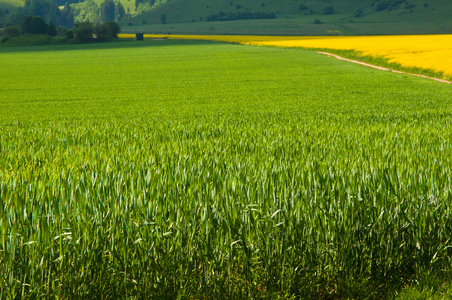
point(412, 52)
point(190, 169)
point(420, 54)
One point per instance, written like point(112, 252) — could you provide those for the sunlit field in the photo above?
point(426, 51)
point(432, 52)
point(198, 170)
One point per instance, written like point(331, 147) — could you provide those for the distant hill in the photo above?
point(295, 17)
point(13, 11)
point(11, 4)
point(283, 17)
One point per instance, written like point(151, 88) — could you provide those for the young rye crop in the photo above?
point(129, 170)
point(426, 52)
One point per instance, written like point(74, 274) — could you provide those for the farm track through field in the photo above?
point(381, 68)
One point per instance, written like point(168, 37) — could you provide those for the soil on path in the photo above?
point(381, 68)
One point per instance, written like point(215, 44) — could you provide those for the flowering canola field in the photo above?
point(419, 51)
point(426, 52)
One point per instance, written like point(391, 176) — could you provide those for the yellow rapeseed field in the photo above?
point(422, 51)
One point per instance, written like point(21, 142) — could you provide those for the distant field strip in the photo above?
point(430, 52)
point(381, 68)
point(427, 51)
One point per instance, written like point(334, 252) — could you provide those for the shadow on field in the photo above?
point(104, 45)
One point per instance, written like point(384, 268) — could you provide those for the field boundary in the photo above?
point(382, 68)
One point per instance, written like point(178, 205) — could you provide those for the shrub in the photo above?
point(12, 31)
point(34, 25)
point(317, 21)
point(107, 30)
point(69, 34)
point(358, 13)
point(33, 40)
point(51, 30)
point(163, 18)
point(380, 5)
point(83, 32)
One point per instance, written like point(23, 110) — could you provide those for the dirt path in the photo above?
point(381, 68)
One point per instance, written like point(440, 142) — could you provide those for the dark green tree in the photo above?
point(27, 25)
point(67, 16)
point(380, 5)
point(47, 9)
point(120, 12)
point(34, 25)
point(114, 29)
point(69, 34)
point(107, 30)
point(163, 18)
point(83, 32)
point(52, 31)
point(15, 18)
point(3, 14)
point(358, 13)
point(12, 31)
point(107, 11)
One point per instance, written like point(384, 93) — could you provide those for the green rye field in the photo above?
point(188, 170)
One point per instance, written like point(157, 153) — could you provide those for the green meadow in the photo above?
point(188, 169)
point(306, 17)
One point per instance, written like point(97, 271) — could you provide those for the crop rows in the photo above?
point(420, 54)
point(285, 174)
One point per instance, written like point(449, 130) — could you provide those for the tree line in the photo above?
point(380, 5)
point(71, 13)
point(147, 5)
point(47, 9)
point(229, 16)
point(107, 11)
point(34, 29)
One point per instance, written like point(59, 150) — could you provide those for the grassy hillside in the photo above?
point(297, 17)
point(87, 10)
point(129, 5)
point(292, 17)
point(10, 4)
